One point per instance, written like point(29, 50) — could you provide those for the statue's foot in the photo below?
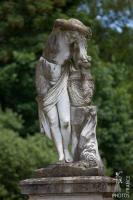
point(60, 162)
point(68, 157)
point(61, 159)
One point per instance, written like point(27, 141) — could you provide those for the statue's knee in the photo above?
point(53, 124)
point(65, 124)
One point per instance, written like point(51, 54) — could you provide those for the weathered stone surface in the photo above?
point(69, 186)
point(72, 25)
point(68, 197)
point(68, 169)
point(65, 88)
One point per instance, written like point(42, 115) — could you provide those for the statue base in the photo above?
point(79, 168)
point(69, 181)
point(69, 188)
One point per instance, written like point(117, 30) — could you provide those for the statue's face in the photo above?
point(63, 53)
point(71, 44)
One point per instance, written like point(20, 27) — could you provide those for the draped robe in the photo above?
point(49, 98)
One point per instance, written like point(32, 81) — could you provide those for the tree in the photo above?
point(19, 157)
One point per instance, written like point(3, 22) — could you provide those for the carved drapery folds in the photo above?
point(83, 118)
point(80, 96)
point(65, 88)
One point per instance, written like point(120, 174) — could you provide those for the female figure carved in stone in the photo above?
point(53, 99)
point(63, 62)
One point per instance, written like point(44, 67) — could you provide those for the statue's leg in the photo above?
point(74, 142)
point(63, 107)
point(55, 131)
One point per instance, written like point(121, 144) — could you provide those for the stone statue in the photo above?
point(67, 116)
point(65, 87)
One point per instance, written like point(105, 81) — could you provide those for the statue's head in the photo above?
point(68, 40)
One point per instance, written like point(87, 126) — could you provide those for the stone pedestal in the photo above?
point(69, 188)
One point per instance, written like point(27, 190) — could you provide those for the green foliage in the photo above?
point(17, 83)
point(10, 120)
point(18, 158)
point(114, 114)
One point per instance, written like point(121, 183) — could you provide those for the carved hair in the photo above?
point(52, 46)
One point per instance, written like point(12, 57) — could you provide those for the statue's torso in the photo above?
point(52, 72)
